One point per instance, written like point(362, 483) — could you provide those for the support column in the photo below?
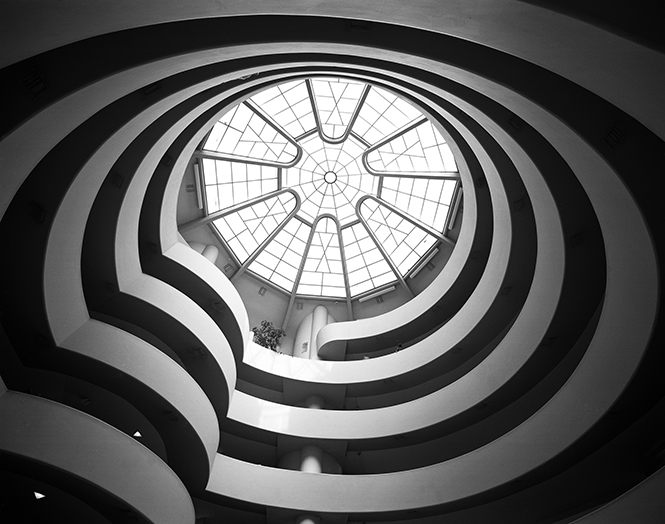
point(314, 402)
point(308, 519)
point(211, 252)
point(319, 320)
point(311, 459)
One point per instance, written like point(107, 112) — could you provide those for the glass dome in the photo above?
point(329, 187)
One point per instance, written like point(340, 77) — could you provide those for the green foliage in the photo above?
point(268, 335)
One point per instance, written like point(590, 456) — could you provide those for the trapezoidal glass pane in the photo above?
point(245, 230)
point(404, 242)
point(381, 114)
point(330, 179)
point(231, 183)
point(420, 151)
point(279, 262)
point(337, 100)
point(323, 274)
point(241, 134)
point(425, 199)
point(365, 265)
point(289, 106)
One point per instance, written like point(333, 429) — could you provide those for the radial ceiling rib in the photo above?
point(417, 151)
point(323, 271)
point(366, 266)
point(289, 105)
point(279, 262)
point(402, 240)
point(247, 229)
point(381, 114)
point(337, 102)
point(243, 267)
point(426, 200)
point(345, 269)
point(245, 134)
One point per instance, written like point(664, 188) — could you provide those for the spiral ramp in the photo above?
point(529, 387)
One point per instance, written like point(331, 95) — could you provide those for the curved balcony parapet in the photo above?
point(340, 333)
point(217, 281)
point(78, 445)
point(643, 503)
point(151, 367)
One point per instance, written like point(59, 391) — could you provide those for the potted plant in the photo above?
point(268, 335)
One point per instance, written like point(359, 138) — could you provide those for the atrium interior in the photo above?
point(451, 209)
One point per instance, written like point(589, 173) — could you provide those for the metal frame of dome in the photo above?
point(328, 187)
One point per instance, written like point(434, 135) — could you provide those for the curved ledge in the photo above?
point(643, 504)
point(68, 440)
point(150, 367)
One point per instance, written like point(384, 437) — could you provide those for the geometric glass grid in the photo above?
point(366, 267)
point(425, 199)
point(289, 106)
point(243, 134)
point(323, 274)
point(280, 260)
point(421, 150)
point(333, 141)
point(404, 242)
point(231, 183)
point(246, 229)
point(336, 102)
point(381, 114)
point(317, 193)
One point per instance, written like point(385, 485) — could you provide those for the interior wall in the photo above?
point(271, 306)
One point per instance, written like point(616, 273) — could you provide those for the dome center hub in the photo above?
point(330, 177)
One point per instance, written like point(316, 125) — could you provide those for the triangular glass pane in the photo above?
point(245, 230)
point(404, 242)
point(323, 273)
point(242, 134)
point(337, 100)
point(420, 151)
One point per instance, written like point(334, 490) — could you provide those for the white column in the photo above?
point(319, 320)
point(311, 459)
point(211, 253)
point(315, 402)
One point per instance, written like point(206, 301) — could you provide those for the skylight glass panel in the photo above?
point(330, 178)
point(245, 230)
point(366, 267)
point(425, 199)
point(289, 106)
point(323, 273)
point(243, 134)
point(404, 242)
point(421, 150)
point(231, 183)
point(382, 114)
point(337, 100)
point(280, 261)
point(333, 142)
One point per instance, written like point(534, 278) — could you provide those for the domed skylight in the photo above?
point(329, 187)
